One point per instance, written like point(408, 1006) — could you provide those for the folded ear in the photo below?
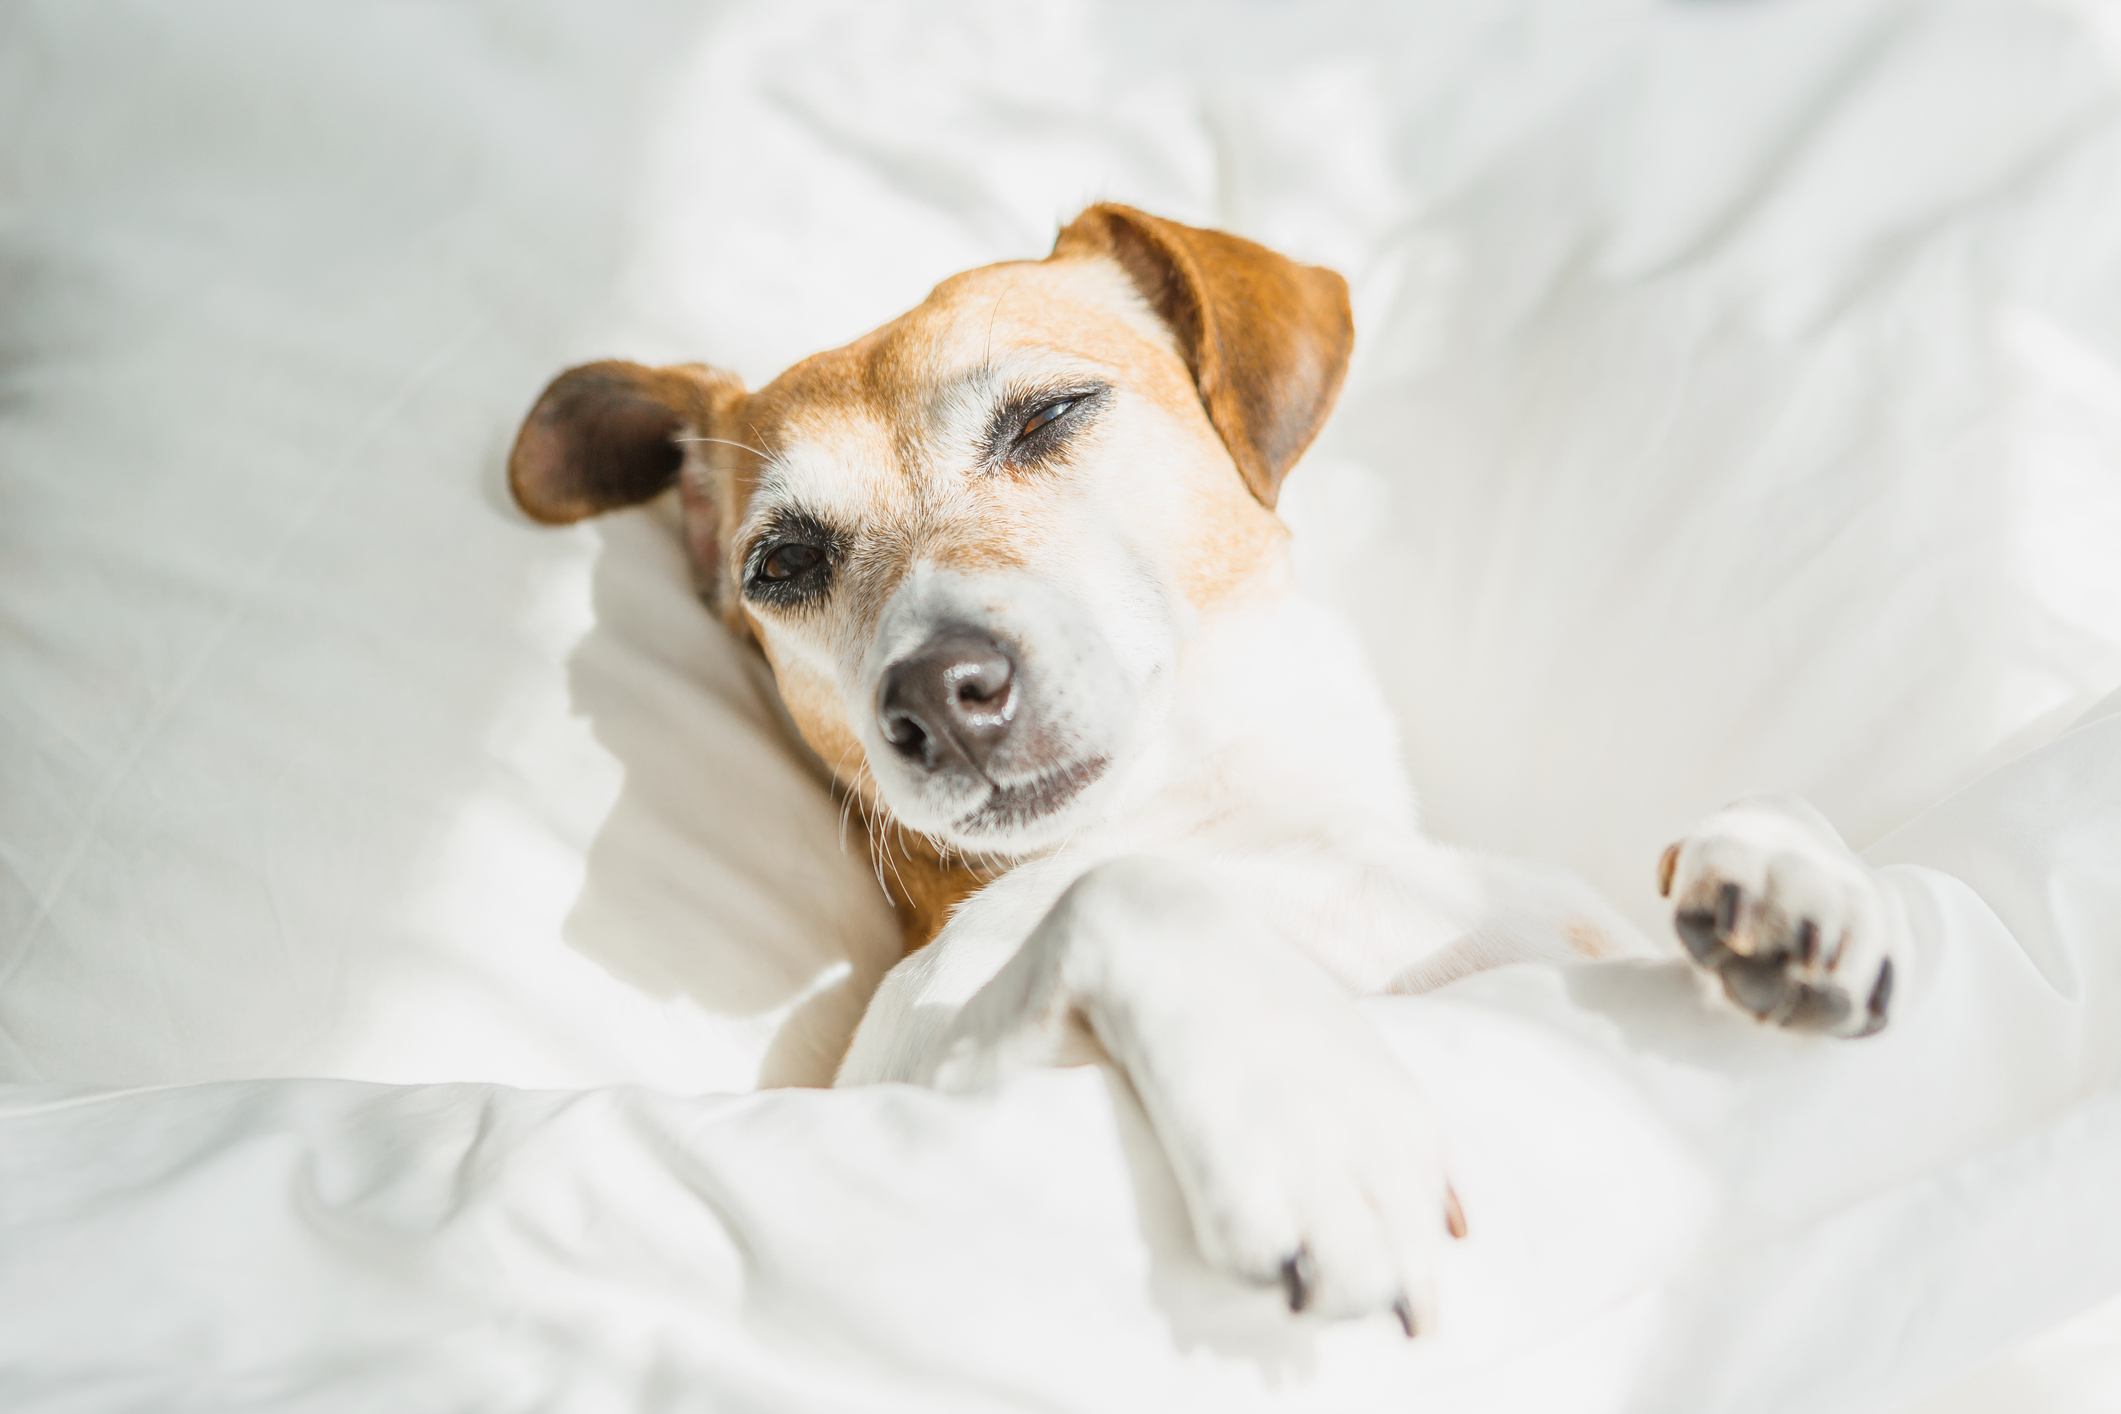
point(605, 435)
point(1267, 339)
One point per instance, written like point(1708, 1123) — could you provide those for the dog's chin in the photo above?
point(1024, 816)
point(1027, 814)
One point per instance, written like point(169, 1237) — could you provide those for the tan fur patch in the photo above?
point(1586, 939)
point(922, 886)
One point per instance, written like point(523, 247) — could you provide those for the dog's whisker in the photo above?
point(847, 792)
point(725, 442)
point(891, 857)
point(986, 357)
point(875, 826)
point(846, 814)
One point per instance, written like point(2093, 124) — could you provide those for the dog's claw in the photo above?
point(1404, 1309)
point(1454, 1215)
point(1299, 1277)
point(1881, 998)
point(1666, 864)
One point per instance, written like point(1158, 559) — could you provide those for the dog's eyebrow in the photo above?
point(965, 392)
point(787, 520)
point(776, 486)
point(1029, 371)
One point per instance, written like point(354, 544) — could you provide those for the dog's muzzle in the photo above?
point(951, 703)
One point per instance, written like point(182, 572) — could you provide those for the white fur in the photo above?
point(1209, 932)
point(1096, 674)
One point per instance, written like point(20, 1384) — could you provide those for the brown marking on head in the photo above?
point(1266, 339)
point(1207, 364)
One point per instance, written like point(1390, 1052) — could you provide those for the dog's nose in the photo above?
point(951, 701)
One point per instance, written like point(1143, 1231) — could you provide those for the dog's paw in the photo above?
point(1798, 930)
point(1314, 1166)
point(1307, 1158)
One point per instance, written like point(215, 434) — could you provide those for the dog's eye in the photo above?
point(792, 562)
point(1045, 415)
point(785, 562)
point(1026, 432)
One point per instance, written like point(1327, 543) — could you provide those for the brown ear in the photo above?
point(1267, 339)
point(603, 436)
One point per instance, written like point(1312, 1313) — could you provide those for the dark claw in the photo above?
point(1727, 900)
point(1405, 1312)
point(1299, 1277)
point(1808, 943)
point(1881, 998)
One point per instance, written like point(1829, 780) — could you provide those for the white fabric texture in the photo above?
point(1672, 1209)
point(1737, 405)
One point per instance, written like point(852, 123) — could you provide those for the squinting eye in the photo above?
point(785, 562)
point(1043, 416)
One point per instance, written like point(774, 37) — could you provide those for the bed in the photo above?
point(424, 936)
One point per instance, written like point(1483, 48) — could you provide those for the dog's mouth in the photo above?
point(1013, 807)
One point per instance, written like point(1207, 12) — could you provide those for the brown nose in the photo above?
point(950, 703)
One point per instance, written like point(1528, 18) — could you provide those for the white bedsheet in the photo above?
point(1671, 1209)
point(1737, 404)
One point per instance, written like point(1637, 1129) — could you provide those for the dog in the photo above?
point(1014, 560)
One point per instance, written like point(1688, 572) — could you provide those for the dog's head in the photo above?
point(975, 542)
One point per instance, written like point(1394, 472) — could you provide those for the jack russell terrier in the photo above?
point(1014, 560)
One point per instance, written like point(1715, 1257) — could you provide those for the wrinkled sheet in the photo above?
point(1737, 404)
point(1670, 1208)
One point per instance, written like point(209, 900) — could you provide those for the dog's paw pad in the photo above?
point(1799, 935)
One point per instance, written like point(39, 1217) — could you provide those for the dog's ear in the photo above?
point(605, 435)
point(1267, 339)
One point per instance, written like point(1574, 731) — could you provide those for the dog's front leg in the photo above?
point(1307, 1157)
